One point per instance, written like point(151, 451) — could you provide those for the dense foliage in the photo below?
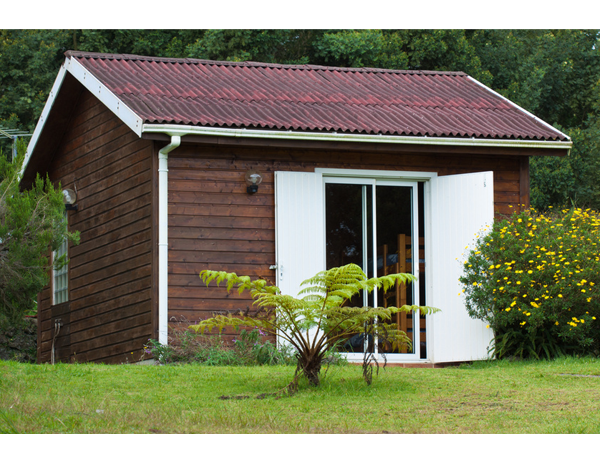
point(31, 224)
point(535, 278)
point(316, 323)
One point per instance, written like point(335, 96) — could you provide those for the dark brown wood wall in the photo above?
point(108, 317)
point(215, 224)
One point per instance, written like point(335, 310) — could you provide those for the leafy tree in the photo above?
point(434, 50)
point(362, 48)
point(321, 319)
point(271, 46)
point(550, 73)
point(29, 62)
point(571, 180)
point(31, 223)
point(161, 43)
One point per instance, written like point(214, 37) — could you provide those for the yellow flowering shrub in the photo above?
point(534, 279)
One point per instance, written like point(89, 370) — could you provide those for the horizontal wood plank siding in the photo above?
point(215, 224)
point(110, 271)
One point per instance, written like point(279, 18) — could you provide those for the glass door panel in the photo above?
point(349, 239)
point(375, 224)
point(394, 244)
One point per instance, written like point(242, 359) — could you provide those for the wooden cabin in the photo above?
point(393, 170)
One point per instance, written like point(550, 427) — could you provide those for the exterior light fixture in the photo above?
point(69, 199)
point(253, 179)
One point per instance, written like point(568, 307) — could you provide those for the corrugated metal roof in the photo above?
point(311, 98)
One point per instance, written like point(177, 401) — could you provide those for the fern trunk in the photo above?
point(310, 365)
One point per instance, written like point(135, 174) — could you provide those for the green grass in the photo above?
point(488, 397)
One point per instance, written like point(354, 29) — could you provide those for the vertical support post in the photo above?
point(402, 323)
point(14, 148)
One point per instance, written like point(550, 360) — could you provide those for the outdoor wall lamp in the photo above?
point(253, 179)
point(69, 199)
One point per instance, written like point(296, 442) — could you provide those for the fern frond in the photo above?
point(242, 282)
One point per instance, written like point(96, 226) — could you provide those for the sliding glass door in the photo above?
point(375, 224)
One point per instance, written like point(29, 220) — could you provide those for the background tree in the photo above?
point(283, 46)
point(554, 74)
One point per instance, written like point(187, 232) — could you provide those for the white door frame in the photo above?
point(392, 178)
point(477, 204)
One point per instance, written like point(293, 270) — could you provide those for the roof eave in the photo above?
point(504, 98)
point(183, 130)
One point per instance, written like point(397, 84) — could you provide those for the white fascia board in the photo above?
point(537, 119)
point(183, 130)
point(42, 120)
point(107, 97)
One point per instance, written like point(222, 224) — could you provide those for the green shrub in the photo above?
point(32, 222)
point(249, 348)
point(534, 279)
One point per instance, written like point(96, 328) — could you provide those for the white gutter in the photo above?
point(333, 136)
point(163, 238)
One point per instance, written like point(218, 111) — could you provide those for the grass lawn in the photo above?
point(485, 398)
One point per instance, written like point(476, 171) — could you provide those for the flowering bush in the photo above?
point(534, 278)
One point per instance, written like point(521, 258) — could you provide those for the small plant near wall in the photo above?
point(534, 279)
point(251, 348)
point(316, 323)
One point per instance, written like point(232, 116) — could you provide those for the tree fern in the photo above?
point(319, 319)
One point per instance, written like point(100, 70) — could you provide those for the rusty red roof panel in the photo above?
point(311, 98)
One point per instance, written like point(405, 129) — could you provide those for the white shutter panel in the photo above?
point(461, 206)
point(299, 228)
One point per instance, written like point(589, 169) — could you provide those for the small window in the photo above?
point(60, 277)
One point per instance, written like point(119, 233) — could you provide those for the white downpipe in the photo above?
point(163, 238)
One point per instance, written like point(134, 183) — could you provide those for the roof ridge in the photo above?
point(372, 70)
